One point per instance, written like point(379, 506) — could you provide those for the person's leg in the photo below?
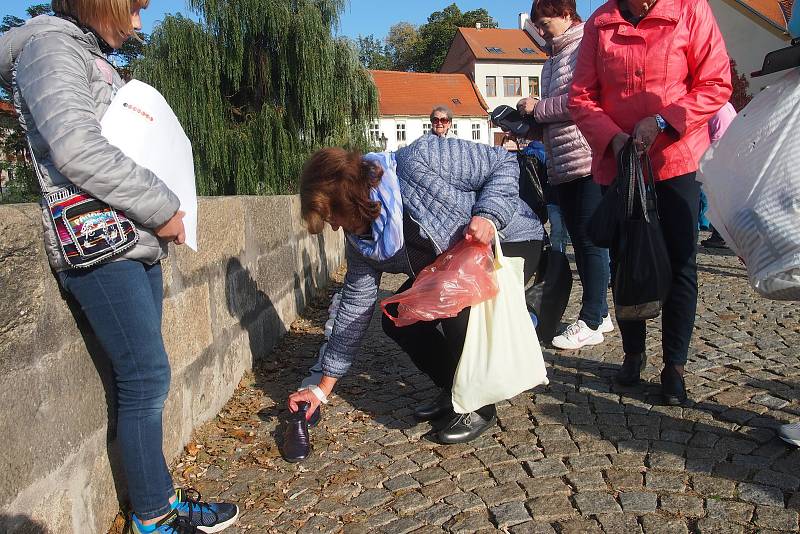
point(424, 344)
point(118, 299)
point(580, 200)
point(466, 427)
point(678, 205)
point(558, 230)
point(702, 221)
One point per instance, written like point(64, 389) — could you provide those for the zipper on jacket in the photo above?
point(427, 233)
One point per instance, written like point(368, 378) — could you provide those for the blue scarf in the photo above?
point(387, 229)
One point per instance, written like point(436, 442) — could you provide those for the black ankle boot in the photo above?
point(440, 406)
point(673, 387)
point(296, 442)
point(630, 372)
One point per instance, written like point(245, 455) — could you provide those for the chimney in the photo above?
point(478, 25)
point(523, 18)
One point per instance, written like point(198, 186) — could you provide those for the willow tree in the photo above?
point(258, 84)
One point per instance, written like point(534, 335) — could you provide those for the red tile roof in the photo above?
point(417, 93)
point(510, 42)
point(776, 12)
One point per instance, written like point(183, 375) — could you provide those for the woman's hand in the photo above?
point(527, 105)
point(304, 395)
point(479, 229)
point(173, 229)
point(645, 133)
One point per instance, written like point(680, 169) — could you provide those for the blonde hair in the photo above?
point(114, 15)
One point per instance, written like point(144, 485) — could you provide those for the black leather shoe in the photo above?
point(673, 387)
point(438, 407)
point(630, 372)
point(296, 443)
point(466, 427)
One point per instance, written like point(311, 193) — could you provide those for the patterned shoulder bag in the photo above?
point(89, 231)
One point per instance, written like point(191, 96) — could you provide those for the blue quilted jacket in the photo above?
point(443, 183)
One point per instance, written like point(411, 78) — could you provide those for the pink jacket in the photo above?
point(568, 154)
point(673, 63)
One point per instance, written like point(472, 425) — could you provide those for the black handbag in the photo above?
point(642, 272)
point(549, 295)
point(532, 184)
point(604, 223)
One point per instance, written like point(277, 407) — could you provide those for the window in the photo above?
point(533, 86)
point(494, 49)
point(491, 86)
point(401, 132)
point(527, 50)
point(454, 129)
point(426, 127)
point(476, 132)
point(513, 85)
point(374, 132)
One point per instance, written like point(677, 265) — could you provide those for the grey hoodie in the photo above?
point(62, 84)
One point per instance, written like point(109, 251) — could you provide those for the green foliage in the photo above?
point(436, 35)
point(402, 43)
point(423, 49)
point(373, 54)
point(258, 85)
point(22, 187)
point(741, 89)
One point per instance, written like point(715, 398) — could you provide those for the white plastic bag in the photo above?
point(752, 180)
point(502, 356)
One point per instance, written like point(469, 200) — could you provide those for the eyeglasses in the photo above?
point(440, 120)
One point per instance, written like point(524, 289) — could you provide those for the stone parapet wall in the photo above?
point(224, 307)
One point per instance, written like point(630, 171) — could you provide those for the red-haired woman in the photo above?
point(656, 70)
point(398, 212)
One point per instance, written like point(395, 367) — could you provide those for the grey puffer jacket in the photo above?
point(568, 154)
point(443, 183)
point(62, 84)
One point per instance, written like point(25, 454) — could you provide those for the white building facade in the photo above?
point(505, 64)
point(407, 99)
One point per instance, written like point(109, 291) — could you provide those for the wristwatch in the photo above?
point(662, 124)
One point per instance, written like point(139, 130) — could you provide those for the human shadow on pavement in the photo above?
point(21, 524)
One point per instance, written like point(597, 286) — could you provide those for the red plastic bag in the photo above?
point(460, 277)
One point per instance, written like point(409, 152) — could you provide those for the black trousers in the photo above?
point(436, 353)
point(679, 210)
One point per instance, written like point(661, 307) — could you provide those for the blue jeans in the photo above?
point(578, 200)
point(703, 221)
point(558, 232)
point(122, 301)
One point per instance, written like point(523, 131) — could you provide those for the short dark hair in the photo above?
point(554, 8)
point(442, 109)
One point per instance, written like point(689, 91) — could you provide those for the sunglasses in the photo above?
point(438, 120)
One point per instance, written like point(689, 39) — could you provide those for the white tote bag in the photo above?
point(752, 180)
point(502, 356)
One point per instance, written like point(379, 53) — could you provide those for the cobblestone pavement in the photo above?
point(579, 456)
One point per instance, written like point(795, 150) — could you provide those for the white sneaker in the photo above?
point(790, 433)
point(578, 335)
point(606, 326)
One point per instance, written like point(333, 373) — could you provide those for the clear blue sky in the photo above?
point(362, 17)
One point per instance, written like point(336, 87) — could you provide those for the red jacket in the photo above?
point(673, 63)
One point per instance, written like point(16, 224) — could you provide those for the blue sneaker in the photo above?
point(205, 516)
point(172, 524)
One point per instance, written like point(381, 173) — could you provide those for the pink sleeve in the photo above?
point(720, 122)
